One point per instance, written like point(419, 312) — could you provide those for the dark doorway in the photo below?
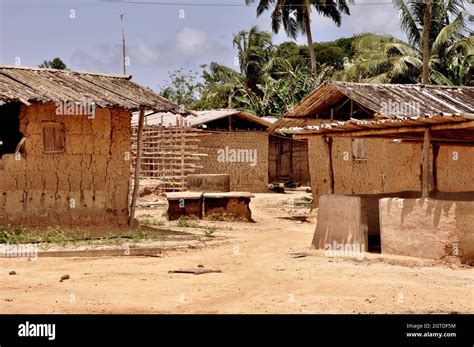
point(280, 160)
point(10, 134)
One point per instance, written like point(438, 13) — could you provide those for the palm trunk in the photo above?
point(426, 41)
point(309, 36)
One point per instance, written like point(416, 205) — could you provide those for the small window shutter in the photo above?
point(359, 149)
point(59, 139)
point(53, 138)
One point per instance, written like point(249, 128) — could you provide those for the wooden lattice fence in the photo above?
point(169, 154)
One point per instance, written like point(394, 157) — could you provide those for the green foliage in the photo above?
point(152, 222)
point(183, 88)
point(267, 79)
point(330, 55)
point(185, 222)
point(442, 11)
point(295, 54)
point(271, 79)
point(56, 235)
point(209, 231)
point(295, 15)
point(384, 59)
point(56, 63)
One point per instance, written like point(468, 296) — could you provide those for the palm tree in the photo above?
point(385, 59)
point(442, 14)
point(256, 60)
point(295, 15)
point(254, 50)
point(382, 59)
point(266, 84)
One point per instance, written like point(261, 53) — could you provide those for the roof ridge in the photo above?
point(405, 85)
point(9, 67)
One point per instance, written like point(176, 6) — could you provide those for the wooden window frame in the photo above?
point(355, 156)
point(57, 127)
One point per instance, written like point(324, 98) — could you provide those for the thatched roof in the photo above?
point(27, 85)
point(358, 106)
point(433, 100)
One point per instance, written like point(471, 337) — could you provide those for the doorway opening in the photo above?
point(10, 135)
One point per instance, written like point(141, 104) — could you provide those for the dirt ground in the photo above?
point(260, 274)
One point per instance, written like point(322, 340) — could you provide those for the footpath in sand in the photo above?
point(260, 274)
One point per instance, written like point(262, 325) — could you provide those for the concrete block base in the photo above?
point(185, 204)
point(342, 220)
point(427, 228)
point(232, 206)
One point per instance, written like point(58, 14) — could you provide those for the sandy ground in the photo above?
point(259, 275)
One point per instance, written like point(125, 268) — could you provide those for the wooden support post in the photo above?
point(183, 154)
point(230, 122)
point(434, 169)
point(425, 171)
point(138, 162)
point(328, 145)
point(332, 114)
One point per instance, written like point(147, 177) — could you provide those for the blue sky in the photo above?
point(86, 34)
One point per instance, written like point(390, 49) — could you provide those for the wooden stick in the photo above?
point(434, 169)
point(386, 131)
point(328, 143)
point(425, 179)
point(138, 163)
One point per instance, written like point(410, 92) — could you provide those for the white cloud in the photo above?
point(144, 54)
point(193, 42)
point(188, 48)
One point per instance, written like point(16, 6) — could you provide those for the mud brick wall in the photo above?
point(86, 185)
point(343, 220)
point(390, 168)
point(455, 169)
point(427, 228)
point(243, 177)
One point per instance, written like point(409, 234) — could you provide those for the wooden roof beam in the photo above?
point(387, 131)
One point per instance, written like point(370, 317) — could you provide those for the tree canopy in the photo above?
point(56, 63)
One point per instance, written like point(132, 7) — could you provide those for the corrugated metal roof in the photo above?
point(26, 85)
point(165, 119)
point(432, 100)
point(328, 126)
point(271, 120)
point(446, 129)
point(207, 116)
point(310, 115)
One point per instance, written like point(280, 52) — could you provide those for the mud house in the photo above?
point(221, 142)
point(391, 165)
point(207, 142)
point(65, 145)
point(246, 147)
point(287, 157)
point(236, 143)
